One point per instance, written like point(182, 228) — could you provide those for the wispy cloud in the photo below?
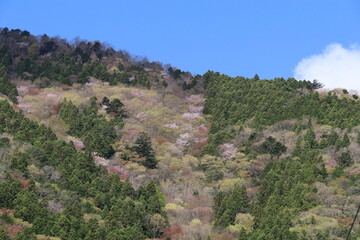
point(336, 67)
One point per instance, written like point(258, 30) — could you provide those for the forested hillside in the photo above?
point(98, 144)
point(311, 139)
point(48, 61)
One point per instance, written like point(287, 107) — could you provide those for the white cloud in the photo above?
point(336, 67)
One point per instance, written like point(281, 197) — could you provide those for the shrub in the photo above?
point(4, 142)
point(214, 175)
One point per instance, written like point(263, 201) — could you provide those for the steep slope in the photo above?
point(191, 157)
point(299, 148)
point(174, 123)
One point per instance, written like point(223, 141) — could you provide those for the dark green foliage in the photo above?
point(115, 107)
point(299, 127)
point(8, 191)
point(141, 80)
point(27, 205)
point(259, 103)
point(345, 141)
point(214, 175)
point(3, 235)
point(20, 162)
point(142, 146)
point(105, 101)
point(338, 172)
point(329, 140)
point(128, 233)
point(191, 85)
point(284, 187)
point(98, 133)
point(22, 128)
point(316, 84)
point(6, 86)
point(237, 100)
point(310, 140)
point(273, 147)
point(344, 159)
point(26, 235)
point(243, 235)
point(4, 142)
point(57, 60)
point(174, 73)
point(123, 209)
point(5, 56)
point(214, 140)
point(227, 205)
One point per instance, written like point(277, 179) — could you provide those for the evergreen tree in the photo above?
point(3, 235)
point(273, 147)
point(228, 205)
point(316, 84)
point(345, 159)
point(310, 140)
point(143, 147)
point(345, 141)
point(8, 191)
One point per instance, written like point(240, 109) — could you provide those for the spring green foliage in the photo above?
point(120, 207)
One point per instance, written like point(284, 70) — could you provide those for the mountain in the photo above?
point(98, 144)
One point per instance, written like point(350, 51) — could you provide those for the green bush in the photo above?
point(214, 175)
point(4, 142)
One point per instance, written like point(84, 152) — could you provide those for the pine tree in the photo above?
point(345, 159)
point(310, 140)
point(3, 235)
point(225, 220)
point(228, 206)
point(346, 140)
point(144, 149)
point(273, 147)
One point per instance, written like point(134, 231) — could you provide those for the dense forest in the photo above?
point(45, 60)
point(75, 177)
point(98, 144)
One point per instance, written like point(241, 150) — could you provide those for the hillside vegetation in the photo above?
point(97, 144)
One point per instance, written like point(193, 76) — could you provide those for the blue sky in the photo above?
point(268, 37)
